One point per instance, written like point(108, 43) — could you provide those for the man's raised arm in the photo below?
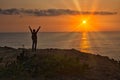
point(38, 29)
point(30, 29)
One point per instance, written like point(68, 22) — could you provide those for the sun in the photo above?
point(84, 25)
point(84, 22)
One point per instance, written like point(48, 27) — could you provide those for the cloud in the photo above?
point(50, 12)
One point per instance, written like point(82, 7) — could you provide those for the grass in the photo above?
point(44, 66)
point(57, 64)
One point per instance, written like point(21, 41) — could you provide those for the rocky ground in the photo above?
point(56, 64)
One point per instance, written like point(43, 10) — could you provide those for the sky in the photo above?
point(64, 21)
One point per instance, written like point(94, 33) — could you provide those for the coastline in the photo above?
point(83, 66)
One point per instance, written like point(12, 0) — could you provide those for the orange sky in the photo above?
point(58, 23)
point(69, 23)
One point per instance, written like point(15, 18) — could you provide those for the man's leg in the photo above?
point(35, 45)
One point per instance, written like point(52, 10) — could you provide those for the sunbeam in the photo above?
point(94, 5)
point(77, 4)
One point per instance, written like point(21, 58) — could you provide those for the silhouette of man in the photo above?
point(34, 37)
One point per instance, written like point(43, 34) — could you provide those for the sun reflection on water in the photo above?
point(85, 44)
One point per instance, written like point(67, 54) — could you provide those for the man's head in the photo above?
point(33, 30)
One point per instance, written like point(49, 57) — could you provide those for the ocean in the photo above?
point(102, 43)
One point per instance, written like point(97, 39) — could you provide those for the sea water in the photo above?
point(102, 43)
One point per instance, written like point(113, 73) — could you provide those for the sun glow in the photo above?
point(84, 21)
point(84, 25)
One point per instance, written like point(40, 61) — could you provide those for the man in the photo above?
point(34, 37)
